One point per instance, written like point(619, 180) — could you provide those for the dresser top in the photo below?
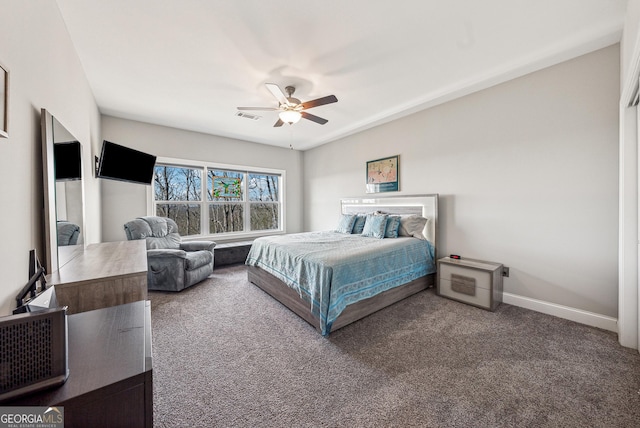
point(105, 346)
point(103, 261)
point(472, 263)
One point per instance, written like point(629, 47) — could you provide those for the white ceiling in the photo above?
point(189, 63)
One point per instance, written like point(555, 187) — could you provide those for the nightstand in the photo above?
point(476, 282)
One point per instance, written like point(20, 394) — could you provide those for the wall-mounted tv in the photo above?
point(125, 164)
point(68, 164)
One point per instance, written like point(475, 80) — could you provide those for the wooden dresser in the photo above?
point(102, 275)
point(110, 380)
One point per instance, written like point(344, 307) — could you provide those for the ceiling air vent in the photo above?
point(248, 115)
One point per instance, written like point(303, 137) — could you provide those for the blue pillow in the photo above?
point(393, 225)
point(345, 225)
point(359, 224)
point(375, 226)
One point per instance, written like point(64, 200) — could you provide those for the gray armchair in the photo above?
point(68, 233)
point(173, 265)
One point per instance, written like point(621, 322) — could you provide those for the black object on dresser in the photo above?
point(33, 351)
point(110, 370)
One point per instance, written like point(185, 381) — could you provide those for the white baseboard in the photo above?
point(573, 314)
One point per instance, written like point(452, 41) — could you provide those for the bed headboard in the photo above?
point(424, 205)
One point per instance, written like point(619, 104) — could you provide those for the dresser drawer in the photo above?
point(482, 278)
point(476, 296)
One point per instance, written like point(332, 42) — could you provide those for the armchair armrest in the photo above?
point(197, 245)
point(166, 253)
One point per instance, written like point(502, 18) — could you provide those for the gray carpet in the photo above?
point(225, 354)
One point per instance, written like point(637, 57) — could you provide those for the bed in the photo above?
point(333, 278)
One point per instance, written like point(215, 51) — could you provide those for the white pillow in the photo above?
point(412, 225)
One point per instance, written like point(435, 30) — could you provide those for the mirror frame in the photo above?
point(49, 189)
point(51, 249)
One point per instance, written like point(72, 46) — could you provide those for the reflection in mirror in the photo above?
point(64, 206)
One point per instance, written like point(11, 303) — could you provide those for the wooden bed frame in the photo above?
point(425, 205)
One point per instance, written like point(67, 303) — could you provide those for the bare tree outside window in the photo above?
point(265, 215)
point(225, 189)
point(174, 188)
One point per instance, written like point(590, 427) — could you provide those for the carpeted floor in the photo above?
point(225, 354)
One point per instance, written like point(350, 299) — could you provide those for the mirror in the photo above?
point(63, 193)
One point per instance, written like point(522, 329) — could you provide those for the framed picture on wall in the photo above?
point(4, 101)
point(383, 175)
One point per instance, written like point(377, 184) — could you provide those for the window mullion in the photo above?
point(204, 206)
point(245, 202)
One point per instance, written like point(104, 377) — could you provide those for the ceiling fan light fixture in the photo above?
point(290, 116)
point(290, 109)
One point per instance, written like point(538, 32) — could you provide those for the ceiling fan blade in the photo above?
point(258, 108)
point(313, 118)
point(278, 123)
point(277, 92)
point(319, 102)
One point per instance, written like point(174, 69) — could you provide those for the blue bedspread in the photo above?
point(331, 270)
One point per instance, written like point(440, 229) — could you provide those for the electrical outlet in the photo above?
point(505, 271)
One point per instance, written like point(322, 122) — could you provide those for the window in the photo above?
point(178, 196)
point(263, 202)
point(226, 202)
point(226, 206)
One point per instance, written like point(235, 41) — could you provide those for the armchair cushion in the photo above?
point(169, 242)
point(159, 232)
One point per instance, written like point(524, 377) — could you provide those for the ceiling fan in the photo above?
point(292, 109)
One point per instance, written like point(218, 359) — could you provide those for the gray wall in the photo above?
point(45, 73)
point(527, 172)
point(123, 202)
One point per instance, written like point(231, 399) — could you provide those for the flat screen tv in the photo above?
point(125, 164)
point(68, 165)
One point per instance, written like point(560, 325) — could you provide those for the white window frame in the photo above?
point(246, 234)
